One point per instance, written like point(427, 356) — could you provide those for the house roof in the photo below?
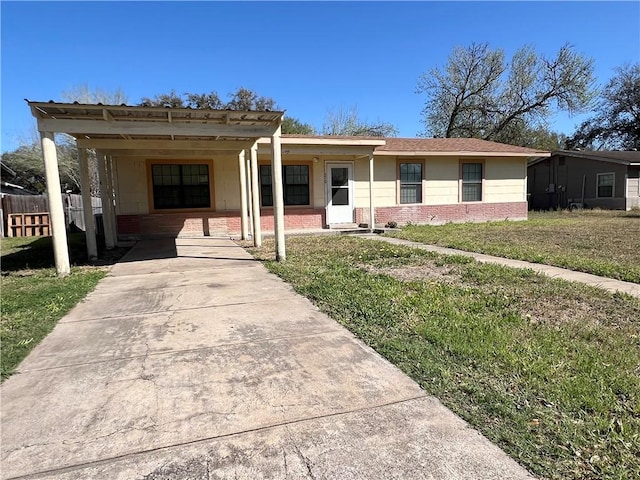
point(622, 157)
point(454, 146)
point(419, 146)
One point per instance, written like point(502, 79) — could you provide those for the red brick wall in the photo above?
point(295, 219)
point(211, 223)
point(174, 224)
point(466, 212)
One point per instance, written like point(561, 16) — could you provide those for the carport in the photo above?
point(132, 131)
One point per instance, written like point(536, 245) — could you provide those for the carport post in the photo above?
point(105, 196)
point(255, 196)
point(249, 198)
point(278, 198)
point(372, 217)
point(56, 208)
point(244, 220)
point(87, 208)
point(111, 191)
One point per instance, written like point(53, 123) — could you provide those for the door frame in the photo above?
point(327, 186)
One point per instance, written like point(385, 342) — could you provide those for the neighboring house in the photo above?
point(604, 179)
point(181, 171)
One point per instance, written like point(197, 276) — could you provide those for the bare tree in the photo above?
point(347, 122)
point(478, 95)
point(83, 94)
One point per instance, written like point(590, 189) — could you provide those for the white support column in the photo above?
point(372, 216)
point(249, 190)
point(278, 198)
point(255, 197)
point(112, 207)
point(87, 209)
point(104, 195)
point(244, 220)
point(56, 208)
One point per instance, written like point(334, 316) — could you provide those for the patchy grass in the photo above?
point(33, 299)
point(548, 370)
point(605, 243)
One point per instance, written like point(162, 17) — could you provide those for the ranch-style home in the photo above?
point(168, 171)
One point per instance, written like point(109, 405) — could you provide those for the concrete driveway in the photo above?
point(191, 361)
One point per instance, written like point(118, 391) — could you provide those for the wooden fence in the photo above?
point(28, 215)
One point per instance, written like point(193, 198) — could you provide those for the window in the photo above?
point(180, 186)
point(295, 179)
point(605, 185)
point(471, 182)
point(411, 183)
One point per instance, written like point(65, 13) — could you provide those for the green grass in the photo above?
point(33, 299)
point(546, 369)
point(605, 243)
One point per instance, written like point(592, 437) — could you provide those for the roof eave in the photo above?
point(417, 153)
point(335, 141)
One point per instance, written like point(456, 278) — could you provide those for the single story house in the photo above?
point(604, 179)
point(168, 171)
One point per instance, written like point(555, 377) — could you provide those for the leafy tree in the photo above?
point(204, 100)
point(291, 125)
point(538, 137)
point(616, 123)
point(244, 99)
point(171, 99)
point(478, 95)
point(241, 99)
point(26, 161)
point(348, 123)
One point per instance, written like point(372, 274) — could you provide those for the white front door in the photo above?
point(339, 192)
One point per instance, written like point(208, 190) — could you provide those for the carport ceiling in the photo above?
point(128, 127)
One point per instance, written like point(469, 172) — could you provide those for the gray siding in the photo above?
point(567, 178)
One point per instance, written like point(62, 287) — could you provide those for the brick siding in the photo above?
point(211, 223)
point(214, 223)
point(438, 214)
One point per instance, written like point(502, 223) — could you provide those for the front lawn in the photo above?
point(546, 369)
point(601, 242)
point(33, 299)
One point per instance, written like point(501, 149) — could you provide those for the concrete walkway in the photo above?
point(191, 361)
point(609, 284)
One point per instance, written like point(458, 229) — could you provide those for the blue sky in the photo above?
point(311, 57)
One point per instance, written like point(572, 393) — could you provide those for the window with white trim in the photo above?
point(471, 182)
point(605, 185)
point(411, 183)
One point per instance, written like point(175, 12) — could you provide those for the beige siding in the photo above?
point(131, 184)
point(317, 177)
point(441, 181)
point(384, 189)
point(226, 183)
point(505, 180)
